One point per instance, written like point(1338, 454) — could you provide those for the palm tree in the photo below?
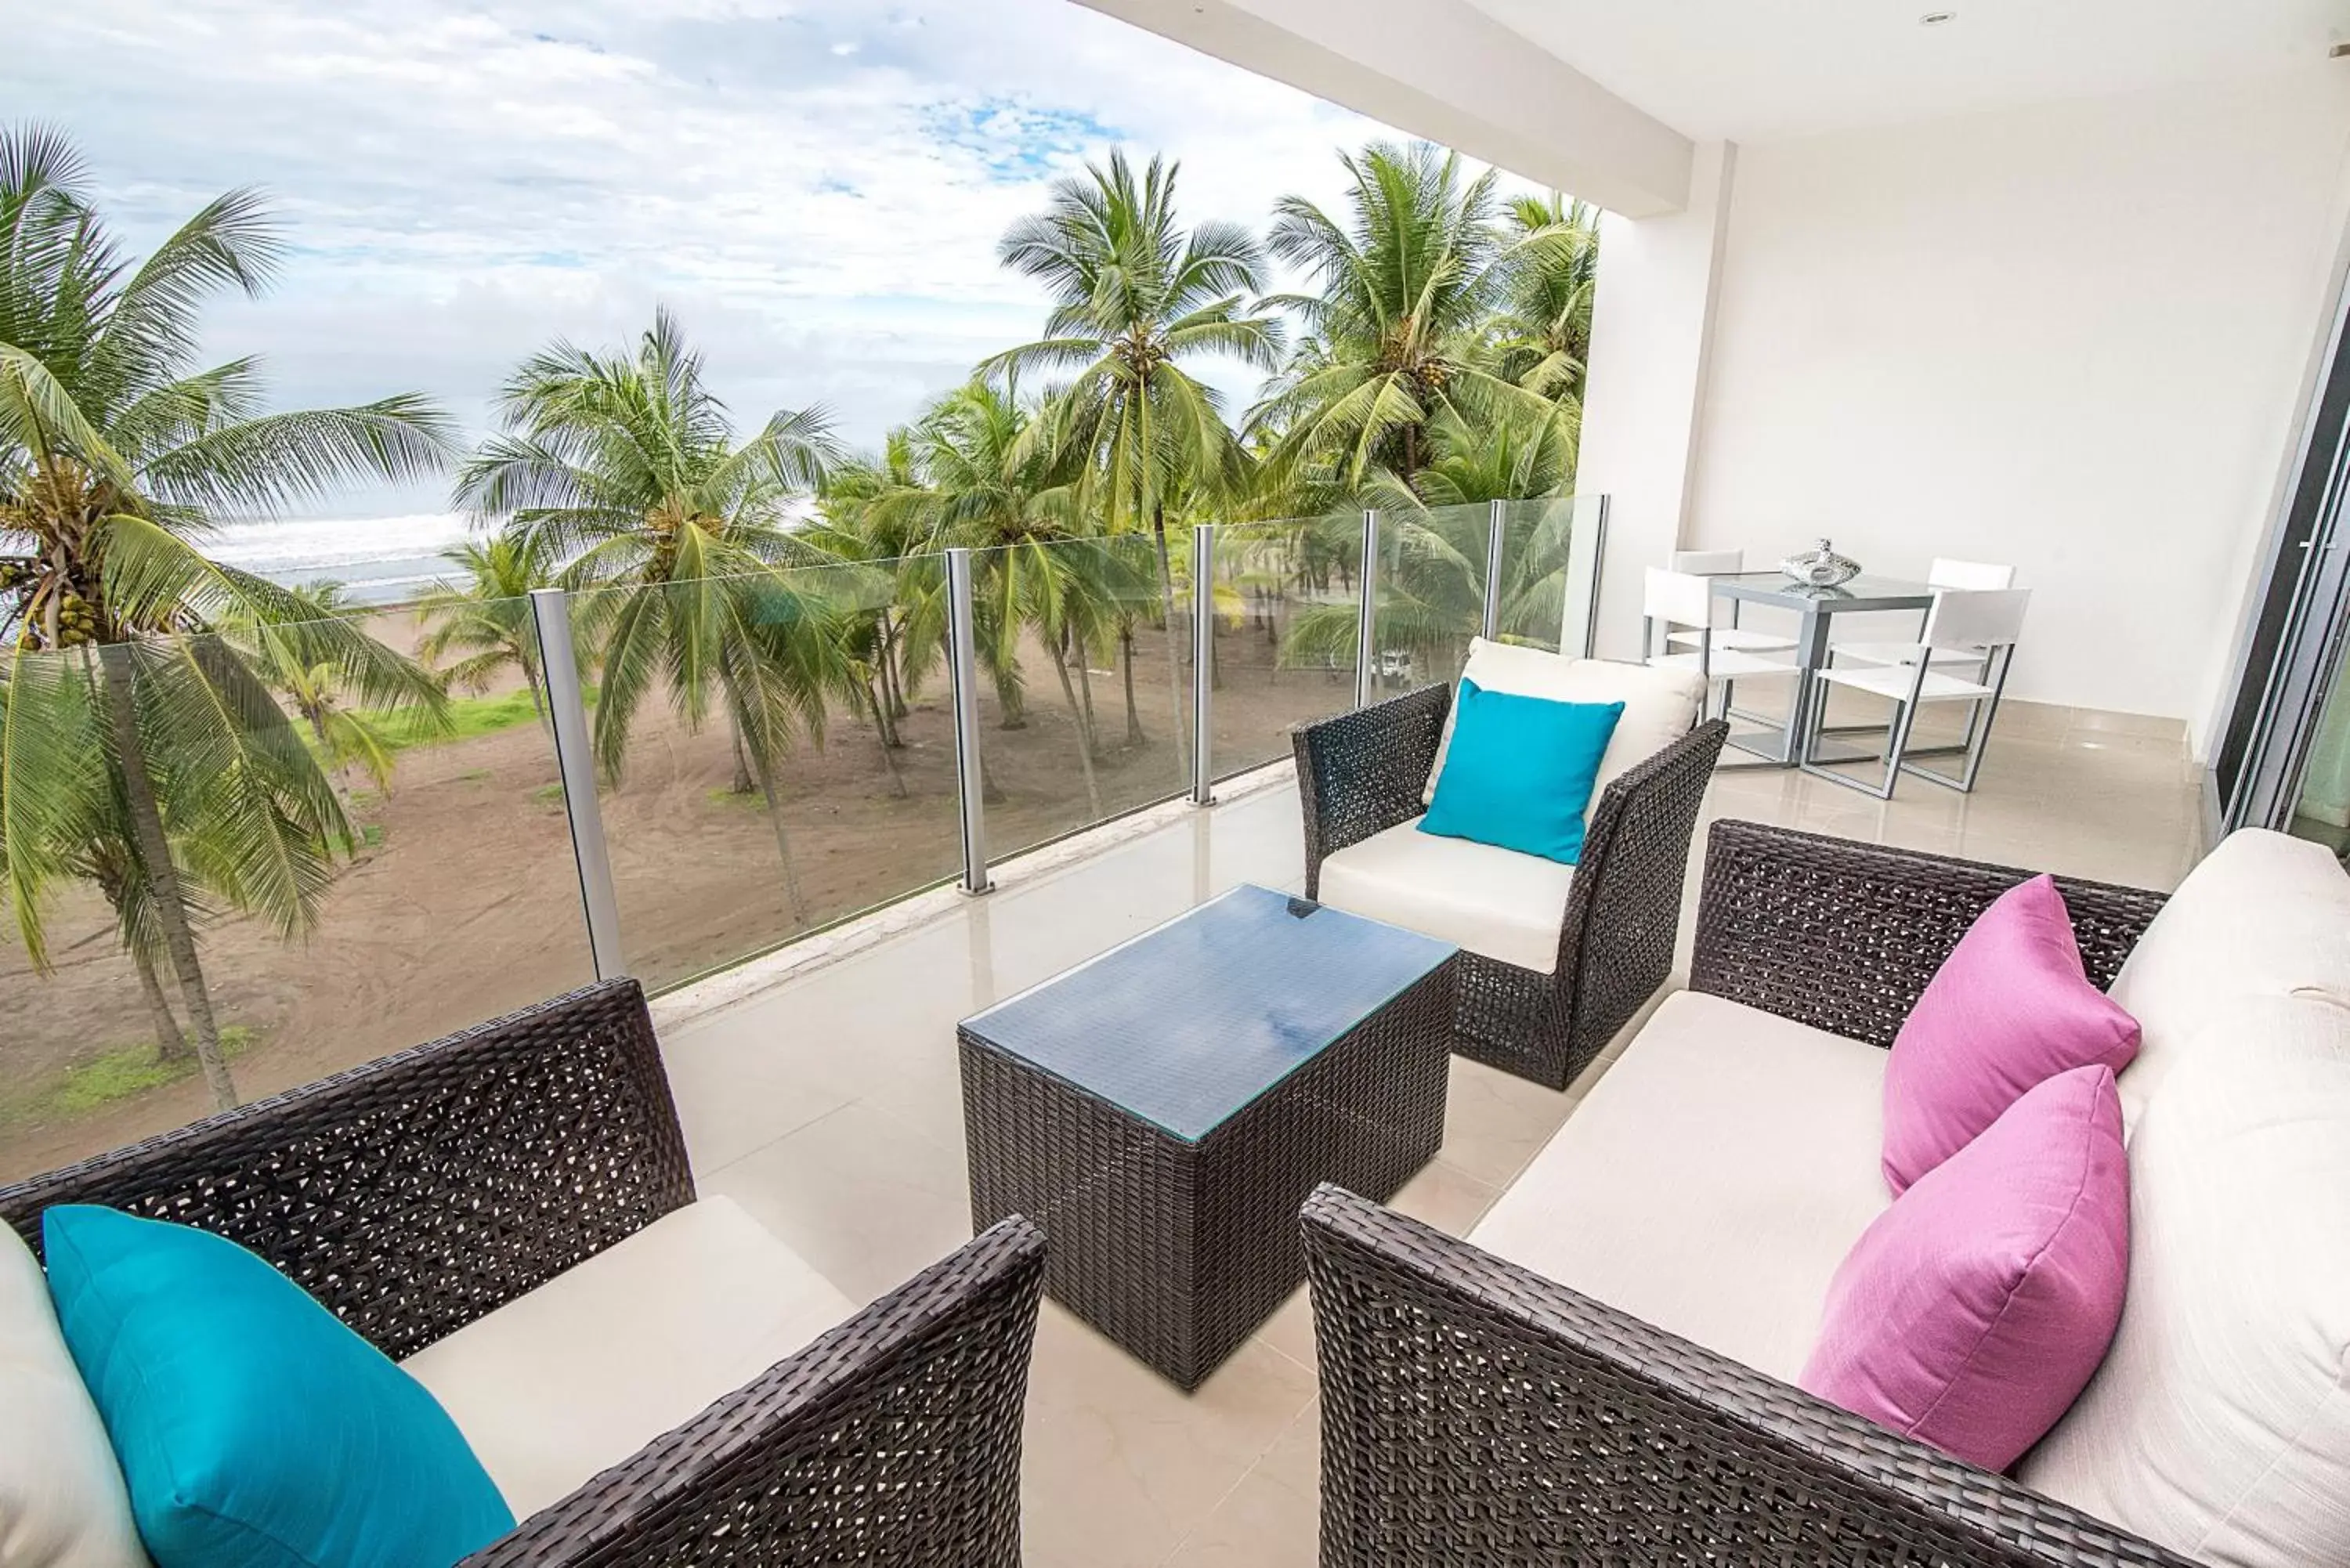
point(290, 655)
point(998, 493)
point(626, 465)
point(872, 511)
point(485, 620)
point(1407, 286)
point(1435, 534)
point(1543, 331)
point(130, 729)
point(1134, 296)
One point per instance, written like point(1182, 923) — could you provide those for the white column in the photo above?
point(1651, 335)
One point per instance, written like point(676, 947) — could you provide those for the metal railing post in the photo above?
point(1366, 614)
point(1587, 550)
point(1493, 529)
point(1204, 663)
point(574, 760)
point(963, 677)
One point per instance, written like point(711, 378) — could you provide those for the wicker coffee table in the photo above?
point(1163, 1109)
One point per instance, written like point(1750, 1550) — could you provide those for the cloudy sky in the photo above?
point(817, 187)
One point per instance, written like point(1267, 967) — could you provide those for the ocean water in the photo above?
point(380, 560)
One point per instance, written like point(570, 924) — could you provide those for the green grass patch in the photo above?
point(750, 800)
point(549, 794)
point(371, 835)
point(468, 716)
point(118, 1074)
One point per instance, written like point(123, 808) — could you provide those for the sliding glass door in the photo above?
point(2283, 759)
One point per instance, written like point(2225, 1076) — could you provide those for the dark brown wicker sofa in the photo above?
point(417, 1194)
point(1363, 773)
point(1475, 1411)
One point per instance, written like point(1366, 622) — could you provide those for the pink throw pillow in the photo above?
point(1971, 1314)
point(2010, 1008)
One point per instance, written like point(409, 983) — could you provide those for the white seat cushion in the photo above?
point(1901, 653)
point(2263, 915)
point(1497, 902)
point(1661, 706)
point(1712, 1182)
point(62, 1501)
point(1895, 680)
point(2219, 1423)
point(1737, 637)
point(1722, 664)
point(581, 1372)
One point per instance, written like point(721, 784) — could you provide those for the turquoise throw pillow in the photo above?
point(1519, 771)
point(255, 1430)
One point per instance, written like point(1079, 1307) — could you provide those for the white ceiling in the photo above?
point(1751, 70)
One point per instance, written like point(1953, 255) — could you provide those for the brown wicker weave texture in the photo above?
point(416, 1193)
point(1178, 1249)
point(1362, 773)
point(1844, 935)
point(1474, 1413)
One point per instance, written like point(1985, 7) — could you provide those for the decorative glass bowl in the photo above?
point(1820, 567)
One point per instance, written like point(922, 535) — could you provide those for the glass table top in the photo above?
point(1868, 591)
point(1190, 1022)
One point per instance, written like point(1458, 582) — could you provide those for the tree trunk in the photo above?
point(743, 783)
point(530, 678)
point(884, 702)
point(162, 874)
point(170, 1046)
point(889, 757)
point(793, 899)
point(1134, 735)
point(337, 776)
point(893, 677)
point(1084, 735)
point(1085, 692)
point(1166, 607)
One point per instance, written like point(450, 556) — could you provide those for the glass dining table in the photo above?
point(1815, 609)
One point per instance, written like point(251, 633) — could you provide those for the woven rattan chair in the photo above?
point(1363, 773)
point(416, 1194)
point(1474, 1412)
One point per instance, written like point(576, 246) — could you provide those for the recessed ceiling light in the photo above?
point(1936, 18)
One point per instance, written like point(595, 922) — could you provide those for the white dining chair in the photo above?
point(1722, 564)
point(1676, 601)
point(1982, 623)
point(1971, 576)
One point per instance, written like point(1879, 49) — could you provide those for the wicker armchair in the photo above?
point(416, 1194)
point(1362, 773)
point(1476, 1413)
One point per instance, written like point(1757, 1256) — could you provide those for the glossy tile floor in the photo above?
point(828, 1105)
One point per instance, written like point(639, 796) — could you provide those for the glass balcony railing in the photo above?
point(372, 841)
point(1287, 595)
point(360, 864)
point(1083, 687)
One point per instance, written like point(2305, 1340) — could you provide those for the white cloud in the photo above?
point(818, 188)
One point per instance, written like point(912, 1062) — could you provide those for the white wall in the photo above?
point(2072, 337)
point(1650, 335)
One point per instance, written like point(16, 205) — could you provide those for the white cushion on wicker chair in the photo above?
point(1492, 901)
point(574, 1377)
point(1712, 1182)
point(2220, 1424)
point(2263, 915)
point(1660, 705)
point(62, 1501)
